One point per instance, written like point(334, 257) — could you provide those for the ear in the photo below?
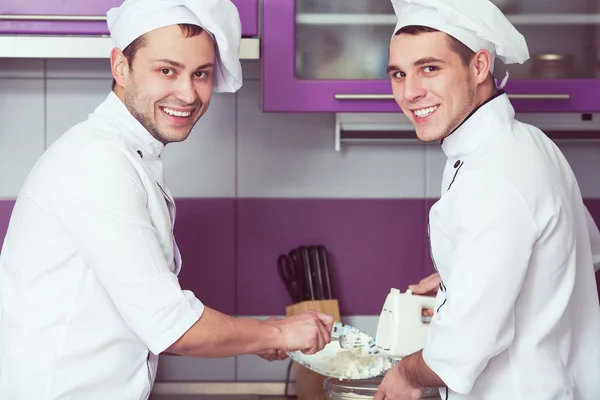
point(482, 63)
point(119, 66)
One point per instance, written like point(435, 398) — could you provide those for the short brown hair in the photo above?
point(130, 51)
point(465, 53)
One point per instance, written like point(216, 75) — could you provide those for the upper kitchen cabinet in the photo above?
point(84, 17)
point(331, 56)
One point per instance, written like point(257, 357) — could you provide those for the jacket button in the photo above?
point(456, 164)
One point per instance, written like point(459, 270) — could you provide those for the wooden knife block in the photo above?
point(309, 384)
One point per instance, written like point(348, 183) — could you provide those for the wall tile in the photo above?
point(584, 158)
point(21, 68)
point(64, 68)
point(372, 245)
point(21, 131)
point(292, 155)
point(435, 161)
point(204, 164)
point(178, 369)
point(251, 70)
point(70, 101)
point(6, 207)
point(205, 234)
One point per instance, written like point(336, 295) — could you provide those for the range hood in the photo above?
point(50, 46)
point(396, 128)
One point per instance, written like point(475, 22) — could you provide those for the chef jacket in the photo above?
point(89, 293)
point(517, 314)
point(594, 239)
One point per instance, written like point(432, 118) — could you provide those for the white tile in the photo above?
point(174, 368)
point(204, 164)
point(434, 170)
point(69, 101)
point(21, 68)
point(70, 68)
point(254, 368)
point(292, 155)
point(584, 158)
point(21, 131)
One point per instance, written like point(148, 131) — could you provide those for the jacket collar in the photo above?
point(483, 121)
point(115, 111)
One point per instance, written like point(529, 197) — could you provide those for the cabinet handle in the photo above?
point(544, 96)
point(25, 17)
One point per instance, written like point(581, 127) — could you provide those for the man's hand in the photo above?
point(427, 286)
point(307, 332)
point(395, 386)
point(273, 354)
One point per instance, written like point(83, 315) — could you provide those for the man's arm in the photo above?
point(218, 335)
point(408, 379)
point(417, 373)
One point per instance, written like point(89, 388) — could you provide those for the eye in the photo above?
point(200, 74)
point(167, 71)
point(398, 75)
point(430, 68)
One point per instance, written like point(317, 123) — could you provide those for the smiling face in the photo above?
point(168, 85)
point(431, 83)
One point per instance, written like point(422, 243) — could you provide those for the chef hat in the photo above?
point(478, 24)
point(220, 18)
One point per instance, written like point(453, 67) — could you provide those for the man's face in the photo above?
point(431, 85)
point(169, 85)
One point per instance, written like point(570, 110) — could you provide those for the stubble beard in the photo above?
point(459, 119)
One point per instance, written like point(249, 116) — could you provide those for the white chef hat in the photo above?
point(220, 18)
point(478, 24)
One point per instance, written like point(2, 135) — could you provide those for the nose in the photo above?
point(186, 91)
point(413, 88)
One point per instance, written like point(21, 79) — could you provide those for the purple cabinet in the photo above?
point(84, 17)
point(331, 56)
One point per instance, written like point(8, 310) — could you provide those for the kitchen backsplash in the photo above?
point(250, 186)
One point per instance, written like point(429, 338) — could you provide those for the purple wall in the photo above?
point(230, 248)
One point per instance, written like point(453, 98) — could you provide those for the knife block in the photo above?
point(309, 384)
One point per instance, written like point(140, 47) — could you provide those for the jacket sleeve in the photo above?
point(492, 234)
point(103, 207)
point(594, 239)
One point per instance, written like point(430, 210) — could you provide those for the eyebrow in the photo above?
point(428, 60)
point(391, 68)
point(181, 66)
point(418, 63)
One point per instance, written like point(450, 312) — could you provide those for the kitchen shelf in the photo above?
point(389, 19)
point(39, 46)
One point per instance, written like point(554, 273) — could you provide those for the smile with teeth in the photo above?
point(425, 112)
point(175, 113)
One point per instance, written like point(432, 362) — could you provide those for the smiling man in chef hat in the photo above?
point(442, 57)
point(89, 294)
point(516, 313)
point(169, 57)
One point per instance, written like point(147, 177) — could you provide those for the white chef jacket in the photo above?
point(89, 294)
point(594, 234)
point(517, 316)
